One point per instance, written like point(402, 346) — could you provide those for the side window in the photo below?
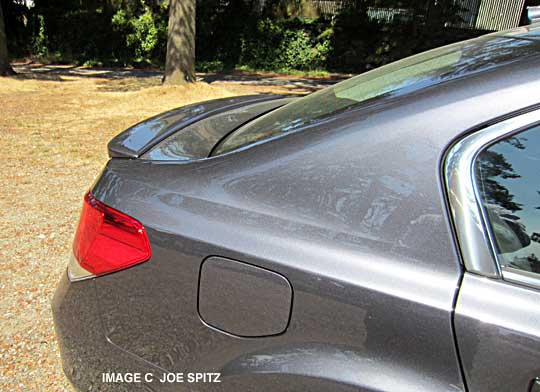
point(508, 182)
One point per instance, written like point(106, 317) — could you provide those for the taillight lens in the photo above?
point(108, 240)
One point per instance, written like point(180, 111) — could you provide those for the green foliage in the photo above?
point(296, 51)
point(93, 63)
point(220, 28)
point(144, 36)
point(300, 44)
point(285, 35)
point(141, 33)
point(40, 40)
point(210, 66)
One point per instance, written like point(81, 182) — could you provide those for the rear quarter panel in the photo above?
point(354, 220)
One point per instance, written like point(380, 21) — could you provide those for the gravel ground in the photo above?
point(53, 134)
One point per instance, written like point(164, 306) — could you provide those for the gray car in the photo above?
point(382, 234)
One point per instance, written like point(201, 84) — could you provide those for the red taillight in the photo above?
point(108, 240)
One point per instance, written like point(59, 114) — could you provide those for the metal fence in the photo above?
point(474, 14)
point(490, 14)
point(499, 14)
point(468, 13)
point(333, 7)
point(329, 7)
point(390, 14)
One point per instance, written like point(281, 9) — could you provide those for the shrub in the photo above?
point(286, 45)
point(39, 45)
point(142, 34)
point(143, 39)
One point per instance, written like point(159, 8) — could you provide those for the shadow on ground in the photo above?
point(129, 79)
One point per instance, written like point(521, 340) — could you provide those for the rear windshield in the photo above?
point(399, 78)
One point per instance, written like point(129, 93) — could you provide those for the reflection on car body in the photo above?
point(378, 235)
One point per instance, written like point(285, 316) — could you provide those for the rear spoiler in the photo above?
point(138, 139)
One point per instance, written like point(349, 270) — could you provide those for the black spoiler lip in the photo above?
point(136, 140)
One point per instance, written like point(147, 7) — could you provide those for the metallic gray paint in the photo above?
point(197, 140)
point(353, 213)
point(86, 352)
point(496, 321)
point(231, 292)
point(357, 248)
point(498, 335)
point(139, 138)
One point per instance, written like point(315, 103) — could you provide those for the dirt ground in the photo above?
point(54, 127)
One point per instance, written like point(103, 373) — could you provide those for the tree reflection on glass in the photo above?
point(492, 167)
point(506, 174)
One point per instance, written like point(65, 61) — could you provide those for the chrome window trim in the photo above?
point(526, 278)
point(472, 231)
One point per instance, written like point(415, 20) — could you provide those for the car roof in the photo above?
point(498, 77)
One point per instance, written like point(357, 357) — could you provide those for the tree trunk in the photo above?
point(180, 61)
point(5, 67)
